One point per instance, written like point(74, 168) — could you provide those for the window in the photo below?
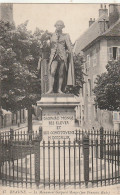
point(89, 112)
point(94, 80)
point(113, 53)
point(94, 58)
point(95, 111)
point(89, 87)
point(88, 61)
point(116, 116)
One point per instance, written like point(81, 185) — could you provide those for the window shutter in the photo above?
point(118, 53)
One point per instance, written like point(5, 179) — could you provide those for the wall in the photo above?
point(103, 56)
point(113, 43)
point(91, 71)
point(96, 117)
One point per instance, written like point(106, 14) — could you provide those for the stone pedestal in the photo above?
point(58, 116)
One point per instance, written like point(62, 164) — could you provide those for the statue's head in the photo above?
point(59, 25)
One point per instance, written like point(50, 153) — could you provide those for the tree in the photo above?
point(20, 81)
point(107, 89)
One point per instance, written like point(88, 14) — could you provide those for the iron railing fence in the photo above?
point(78, 134)
point(92, 159)
point(15, 135)
point(97, 134)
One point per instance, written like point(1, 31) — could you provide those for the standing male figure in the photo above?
point(61, 59)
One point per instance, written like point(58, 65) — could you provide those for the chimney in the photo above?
point(103, 24)
point(103, 10)
point(91, 21)
point(114, 13)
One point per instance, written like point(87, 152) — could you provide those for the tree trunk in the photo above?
point(16, 117)
point(30, 121)
point(20, 117)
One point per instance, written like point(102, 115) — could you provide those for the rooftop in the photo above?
point(114, 30)
point(94, 32)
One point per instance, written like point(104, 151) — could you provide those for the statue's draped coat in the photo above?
point(64, 48)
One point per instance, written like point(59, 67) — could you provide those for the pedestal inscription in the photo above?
point(58, 123)
point(58, 116)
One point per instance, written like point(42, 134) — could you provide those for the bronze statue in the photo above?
point(61, 60)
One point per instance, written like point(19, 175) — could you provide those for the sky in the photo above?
point(75, 16)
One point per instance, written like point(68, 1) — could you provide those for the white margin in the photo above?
point(59, 1)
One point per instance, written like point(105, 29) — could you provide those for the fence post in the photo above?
point(37, 161)
point(11, 134)
point(119, 134)
point(86, 158)
point(101, 142)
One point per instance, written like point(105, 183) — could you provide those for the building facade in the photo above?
point(99, 44)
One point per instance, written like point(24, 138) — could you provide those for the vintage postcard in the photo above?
point(60, 98)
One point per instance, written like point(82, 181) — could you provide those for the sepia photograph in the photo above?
point(60, 98)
